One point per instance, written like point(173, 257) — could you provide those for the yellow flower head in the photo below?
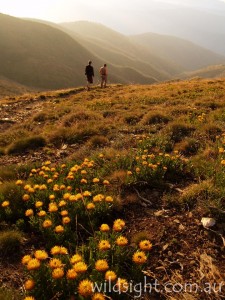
point(55, 250)
point(76, 258)
point(55, 263)
point(71, 274)
point(110, 276)
point(122, 285)
point(57, 273)
point(98, 198)
point(66, 196)
point(19, 182)
point(33, 264)
point(98, 296)
point(26, 197)
point(29, 212)
point(5, 203)
point(118, 225)
point(145, 245)
point(41, 213)
point(95, 180)
point(62, 203)
point(86, 194)
point(83, 180)
point(26, 259)
point(85, 288)
point(66, 220)
point(63, 250)
point(38, 204)
point(52, 207)
point(106, 182)
point(104, 245)
point(104, 228)
point(90, 206)
point(121, 241)
point(139, 257)
point(108, 199)
point(64, 213)
point(80, 267)
point(59, 229)
point(51, 197)
point(101, 265)
point(41, 254)
point(29, 298)
point(47, 223)
point(29, 284)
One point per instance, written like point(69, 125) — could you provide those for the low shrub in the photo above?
point(10, 243)
point(25, 144)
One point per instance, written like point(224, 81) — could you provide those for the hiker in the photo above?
point(104, 73)
point(89, 72)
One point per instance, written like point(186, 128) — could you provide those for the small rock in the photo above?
point(208, 222)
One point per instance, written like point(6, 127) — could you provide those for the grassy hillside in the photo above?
point(41, 56)
point(116, 179)
point(12, 88)
point(217, 71)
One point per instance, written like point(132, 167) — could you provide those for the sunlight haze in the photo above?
point(125, 16)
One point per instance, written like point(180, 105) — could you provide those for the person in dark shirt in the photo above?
point(89, 72)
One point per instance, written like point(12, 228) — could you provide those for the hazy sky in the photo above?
point(107, 12)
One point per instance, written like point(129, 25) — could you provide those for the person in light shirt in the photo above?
point(104, 74)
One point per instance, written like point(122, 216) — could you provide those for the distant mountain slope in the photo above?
point(217, 71)
point(41, 56)
point(152, 54)
point(199, 21)
point(113, 47)
point(186, 54)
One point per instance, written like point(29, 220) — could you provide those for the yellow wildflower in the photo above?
point(122, 285)
point(98, 296)
point(57, 273)
point(108, 199)
point(104, 228)
point(66, 220)
point(145, 245)
point(41, 254)
point(101, 265)
point(38, 204)
point(55, 263)
point(85, 288)
point(71, 274)
point(76, 258)
point(110, 276)
point(59, 229)
point(19, 182)
point(139, 257)
point(80, 267)
point(121, 241)
point(26, 259)
point(26, 197)
point(33, 264)
point(5, 203)
point(104, 245)
point(29, 284)
point(47, 223)
point(41, 213)
point(90, 206)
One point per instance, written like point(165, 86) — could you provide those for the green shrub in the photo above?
point(10, 243)
point(29, 143)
